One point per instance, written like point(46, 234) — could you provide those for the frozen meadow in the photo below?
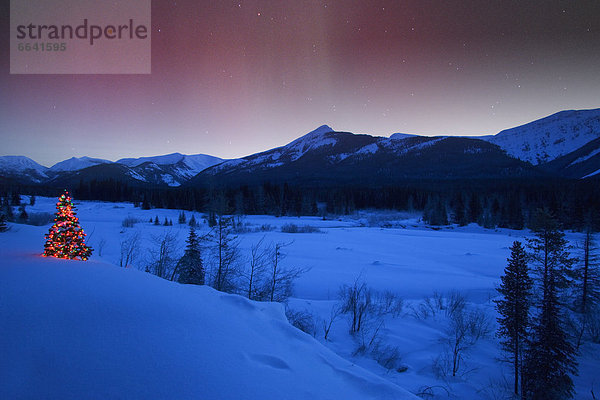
point(71, 329)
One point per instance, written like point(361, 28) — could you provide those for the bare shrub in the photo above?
point(429, 392)
point(464, 330)
point(369, 337)
point(256, 269)
point(302, 319)
point(387, 356)
point(129, 222)
point(498, 389)
point(334, 313)
point(388, 303)
point(162, 256)
point(453, 303)
point(39, 218)
point(130, 246)
point(293, 228)
point(226, 254)
point(442, 364)
point(357, 303)
point(419, 311)
point(280, 280)
point(265, 228)
point(478, 324)
point(100, 246)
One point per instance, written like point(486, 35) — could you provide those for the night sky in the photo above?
point(234, 78)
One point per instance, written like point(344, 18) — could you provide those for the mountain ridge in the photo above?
point(565, 144)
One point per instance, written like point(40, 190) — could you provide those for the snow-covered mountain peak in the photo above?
point(172, 158)
point(318, 138)
point(75, 163)
point(401, 136)
point(320, 130)
point(20, 164)
point(549, 138)
point(313, 135)
point(199, 162)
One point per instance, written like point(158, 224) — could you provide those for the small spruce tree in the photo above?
point(23, 216)
point(145, 203)
point(514, 308)
point(189, 267)
point(15, 199)
point(3, 226)
point(588, 274)
point(66, 238)
point(8, 211)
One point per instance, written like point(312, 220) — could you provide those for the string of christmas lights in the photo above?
point(66, 238)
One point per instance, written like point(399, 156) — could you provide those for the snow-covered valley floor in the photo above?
point(71, 329)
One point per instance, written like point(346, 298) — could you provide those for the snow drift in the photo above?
point(71, 329)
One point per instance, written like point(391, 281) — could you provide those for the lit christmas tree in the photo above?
point(66, 238)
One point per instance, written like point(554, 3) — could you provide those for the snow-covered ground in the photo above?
point(71, 329)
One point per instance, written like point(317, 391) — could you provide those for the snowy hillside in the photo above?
point(68, 328)
point(91, 330)
point(325, 155)
point(74, 163)
point(21, 166)
point(311, 141)
point(546, 139)
point(171, 169)
point(314, 140)
point(197, 162)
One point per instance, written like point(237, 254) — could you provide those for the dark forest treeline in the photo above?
point(506, 203)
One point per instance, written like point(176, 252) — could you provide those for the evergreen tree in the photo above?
point(182, 218)
point(549, 360)
point(212, 219)
point(588, 274)
point(8, 210)
point(3, 227)
point(32, 200)
point(474, 209)
point(166, 223)
point(15, 199)
point(66, 238)
point(189, 267)
point(156, 221)
point(459, 211)
point(549, 251)
point(435, 212)
point(145, 203)
point(514, 308)
point(23, 216)
point(193, 223)
point(515, 213)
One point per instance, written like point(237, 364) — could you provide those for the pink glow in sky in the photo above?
point(233, 78)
